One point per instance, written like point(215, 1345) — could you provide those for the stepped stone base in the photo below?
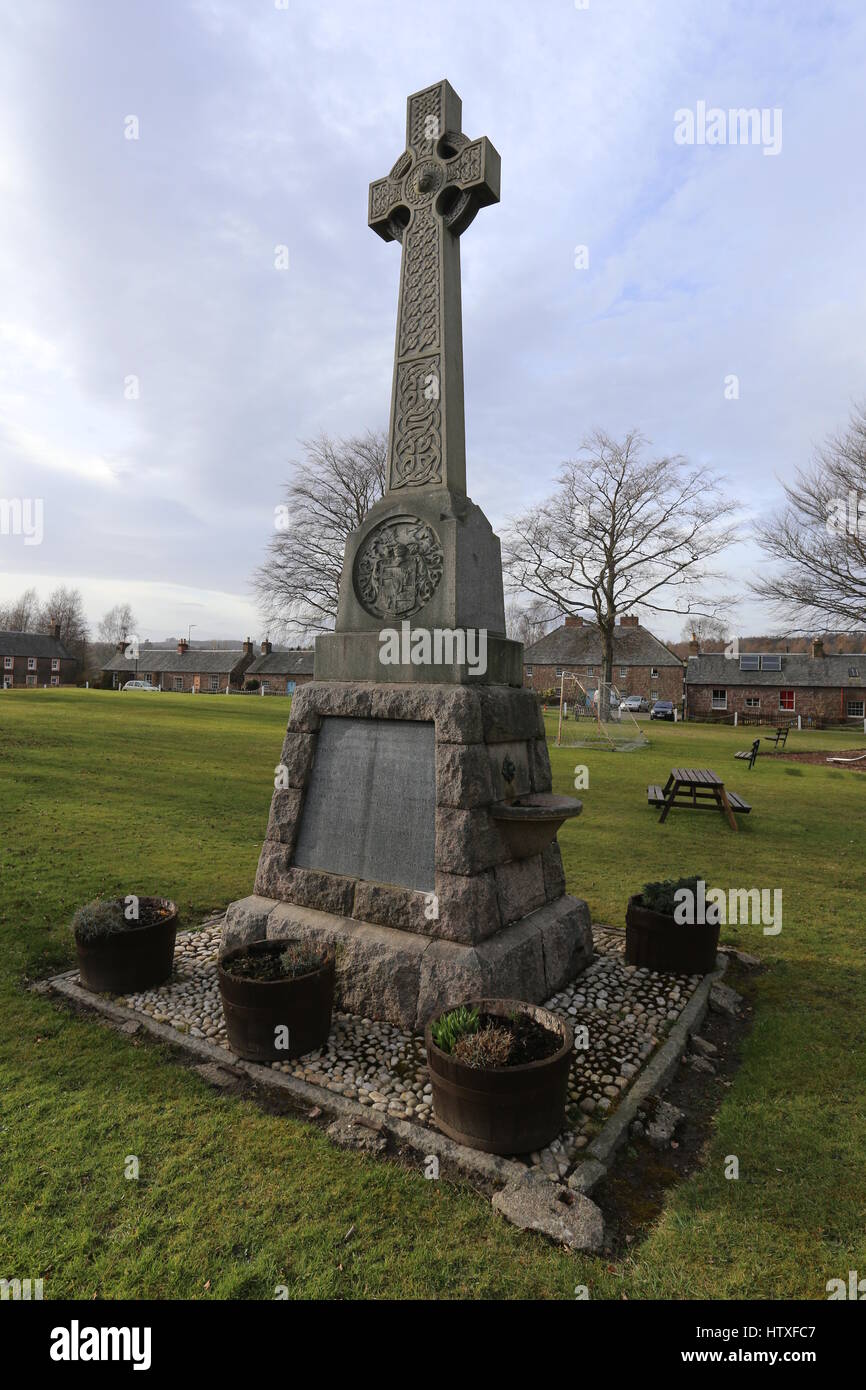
point(406, 978)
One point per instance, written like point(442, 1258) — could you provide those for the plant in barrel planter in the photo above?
point(277, 998)
point(124, 946)
point(666, 928)
point(499, 1072)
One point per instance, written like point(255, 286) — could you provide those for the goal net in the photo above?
point(581, 718)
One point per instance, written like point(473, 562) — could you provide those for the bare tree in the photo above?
point(619, 532)
point(706, 628)
point(526, 622)
point(22, 614)
point(820, 536)
point(118, 623)
point(329, 495)
point(65, 607)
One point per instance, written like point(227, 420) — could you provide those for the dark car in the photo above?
point(662, 709)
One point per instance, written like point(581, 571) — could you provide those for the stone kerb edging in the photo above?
point(489, 1169)
point(652, 1080)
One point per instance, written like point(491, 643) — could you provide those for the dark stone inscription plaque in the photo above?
point(370, 808)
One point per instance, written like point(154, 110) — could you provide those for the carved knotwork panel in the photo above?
point(416, 445)
point(398, 567)
point(425, 119)
point(420, 304)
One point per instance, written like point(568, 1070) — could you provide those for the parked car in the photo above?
point(662, 709)
point(139, 685)
point(635, 704)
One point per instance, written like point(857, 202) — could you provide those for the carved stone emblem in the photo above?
point(398, 567)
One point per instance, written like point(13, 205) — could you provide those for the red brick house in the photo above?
point(777, 687)
point(182, 668)
point(35, 659)
point(278, 673)
point(642, 665)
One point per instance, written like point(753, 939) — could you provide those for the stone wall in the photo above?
point(43, 672)
point(826, 703)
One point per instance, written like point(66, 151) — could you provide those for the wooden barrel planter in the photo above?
point(654, 941)
point(255, 1009)
point(502, 1110)
point(130, 961)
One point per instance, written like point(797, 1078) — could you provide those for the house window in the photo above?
point(786, 699)
point(214, 683)
point(623, 672)
point(654, 694)
point(720, 699)
point(55, 663)
point(31, 663)
point(753, 702)
point(178, 682)
point(266, 685)
point(55, 680)
point(590, 670)
point(529, 671)
point(8, 663)
point(559, 673)
point(855, 709)
point(31, 680)
point(7, 682)
point(654, 673)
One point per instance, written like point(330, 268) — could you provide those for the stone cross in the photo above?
point(430, 197)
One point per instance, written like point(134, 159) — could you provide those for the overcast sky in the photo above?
point(262, 126)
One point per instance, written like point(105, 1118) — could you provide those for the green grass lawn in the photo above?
point(107, 793)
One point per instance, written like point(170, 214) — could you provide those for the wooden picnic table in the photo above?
point(700, 789)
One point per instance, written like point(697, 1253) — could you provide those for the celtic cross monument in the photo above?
point(430, 196)
point(401, 827)
point(426, 546)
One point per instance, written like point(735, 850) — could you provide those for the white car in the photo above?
point(140, 685)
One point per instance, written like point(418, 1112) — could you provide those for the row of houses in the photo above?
point(41, 659)
point(201, 671)
point(35, 658)
point(813, 687)
point(770, 686)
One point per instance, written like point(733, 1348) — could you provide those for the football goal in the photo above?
point(581, 724)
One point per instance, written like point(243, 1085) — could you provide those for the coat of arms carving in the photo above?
point(398, 567)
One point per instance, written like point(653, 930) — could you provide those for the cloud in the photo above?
point(262, 126)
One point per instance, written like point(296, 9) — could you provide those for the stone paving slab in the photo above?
point(627, 1014)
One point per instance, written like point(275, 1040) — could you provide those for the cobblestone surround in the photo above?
point(627, 1013)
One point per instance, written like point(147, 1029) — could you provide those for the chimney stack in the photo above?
point(121, 646)
point(56, 631)
point(817, 648)
point(629, 620)
point(248, 647)
point(573, 620)
point(266, 648)
point(182, 646)
point(694, 648)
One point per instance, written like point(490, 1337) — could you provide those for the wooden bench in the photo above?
point(738, 804)
point(779, 738)
point(749, 755)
